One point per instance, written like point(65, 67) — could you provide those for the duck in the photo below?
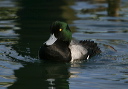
point(61, 46)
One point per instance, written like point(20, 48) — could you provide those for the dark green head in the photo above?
point(61, 31)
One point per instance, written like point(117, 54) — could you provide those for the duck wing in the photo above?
point(91, 46)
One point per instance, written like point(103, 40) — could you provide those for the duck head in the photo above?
point(59, 31)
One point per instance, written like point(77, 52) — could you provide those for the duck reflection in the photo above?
point(42, 75)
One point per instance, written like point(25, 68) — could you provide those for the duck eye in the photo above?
point(60, 29)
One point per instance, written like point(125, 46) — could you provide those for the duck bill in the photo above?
point(51, 40)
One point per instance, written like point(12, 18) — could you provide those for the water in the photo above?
point(24, 26)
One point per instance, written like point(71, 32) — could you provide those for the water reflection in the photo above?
point(25, 29)
point(113, 7)
point(110, 10)
point(34, 21)
point(8, 37)
point(42, 76)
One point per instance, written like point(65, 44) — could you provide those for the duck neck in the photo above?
point(64, 42)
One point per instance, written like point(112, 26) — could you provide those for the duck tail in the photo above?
point(92, 47)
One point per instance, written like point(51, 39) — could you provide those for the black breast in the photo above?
point(59, 51)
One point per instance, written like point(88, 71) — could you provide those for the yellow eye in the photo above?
point(60, 29)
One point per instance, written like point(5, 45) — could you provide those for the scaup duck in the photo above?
point(61, 47)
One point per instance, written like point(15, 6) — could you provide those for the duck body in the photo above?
point(59, 51)
point(61, 47)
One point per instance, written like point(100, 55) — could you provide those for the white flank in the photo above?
point(51, 40)
point(77, 51)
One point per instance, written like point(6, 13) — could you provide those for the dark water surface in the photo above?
point(24, 26)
